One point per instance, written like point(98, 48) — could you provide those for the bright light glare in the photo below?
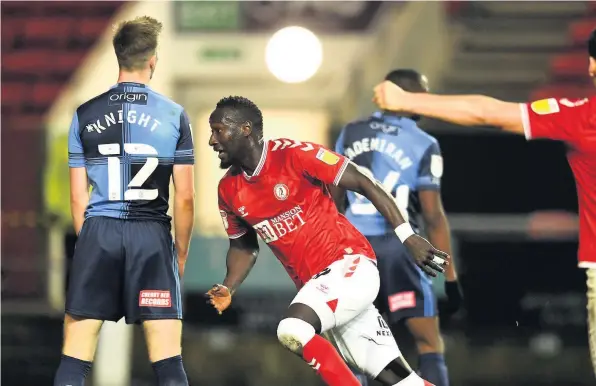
point(294, 54)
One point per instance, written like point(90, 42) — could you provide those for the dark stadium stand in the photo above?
point(569, 67)
point(43, 43)
point(508, 49)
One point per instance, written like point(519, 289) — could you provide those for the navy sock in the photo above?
point(71, 372)
point(432, 368)
point(170, 372)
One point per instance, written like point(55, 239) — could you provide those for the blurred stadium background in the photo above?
point(512, 204)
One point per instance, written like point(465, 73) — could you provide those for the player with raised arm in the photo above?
point(570, 121)
point(408, 162)
point(127, 144)
point(277, 189)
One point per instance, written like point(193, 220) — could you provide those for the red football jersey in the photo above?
point(573, 122)
point(287, 202)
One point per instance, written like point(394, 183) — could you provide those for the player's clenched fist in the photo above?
point(219, 297)
point(389, 96)
point(427, 257)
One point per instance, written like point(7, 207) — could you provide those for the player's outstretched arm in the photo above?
point(184, 211)
point(241, 257)
point(465, 110)
point(426, 256)
point(79, 196)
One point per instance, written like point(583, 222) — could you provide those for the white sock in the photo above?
point(411, 380)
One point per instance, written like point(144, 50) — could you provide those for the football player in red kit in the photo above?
point(569, 121)
point(277, 189)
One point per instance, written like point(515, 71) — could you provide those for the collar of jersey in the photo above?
point(260, 164)
point(131, 84)
point(394, 119)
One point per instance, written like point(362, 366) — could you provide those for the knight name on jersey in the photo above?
point(380, 145)
point(132, 117)
point(278, 226)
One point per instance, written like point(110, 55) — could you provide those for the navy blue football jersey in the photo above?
point(129, 139)
point(396, 152)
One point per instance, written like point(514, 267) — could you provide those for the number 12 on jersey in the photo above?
point(362, 206)
point(114, 172)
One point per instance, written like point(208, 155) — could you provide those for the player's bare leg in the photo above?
point(164, 345)
point(80, 337)
point(164, 338)
point(429, 343)
point(591, 295)
point(298, 332)
point(78, 350)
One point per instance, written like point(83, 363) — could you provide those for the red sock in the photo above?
point(322, 356)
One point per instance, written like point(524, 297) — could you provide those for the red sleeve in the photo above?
point(234, 227)
point(561, 119)
point(318, 162)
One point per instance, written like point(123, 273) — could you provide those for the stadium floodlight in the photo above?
point(293, 54)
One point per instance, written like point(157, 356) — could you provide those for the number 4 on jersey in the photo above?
point(363, 206)
point(114, 188)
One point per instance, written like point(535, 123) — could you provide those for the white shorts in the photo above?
point(342, 296)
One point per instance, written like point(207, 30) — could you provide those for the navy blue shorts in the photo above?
point(406, 291)
point(124, 268)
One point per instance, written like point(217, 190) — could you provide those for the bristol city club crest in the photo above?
point(281, 191)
